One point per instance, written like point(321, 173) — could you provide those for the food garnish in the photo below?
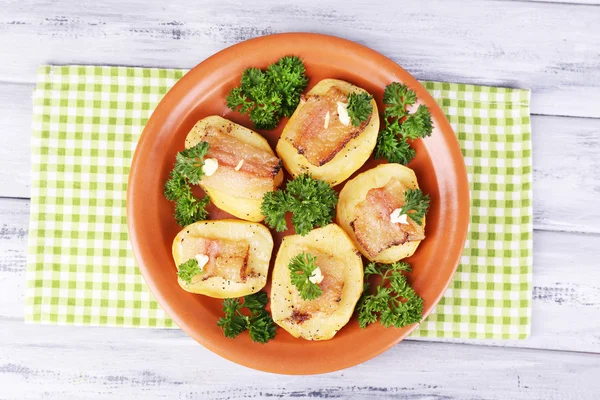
point(188, 270)
point(305, 275)
point(311, 201)
point(415, 205)
point(187, 171)
point(259, 323)
point(400, 125)
point(266, 96)
point(394, 302)
point(359, 107)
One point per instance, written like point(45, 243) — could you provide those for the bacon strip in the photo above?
point(332, 286)
point(253, 179)
point(227, 259)
point(308, 133)
point(372, 225)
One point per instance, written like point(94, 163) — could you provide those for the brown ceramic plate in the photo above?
point(201, 92)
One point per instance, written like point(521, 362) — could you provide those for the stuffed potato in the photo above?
point(365, 212)
point(342, 284)
point(316, 140)
point(247, 167)
point(236, 257)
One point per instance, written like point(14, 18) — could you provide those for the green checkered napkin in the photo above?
point(80, 266)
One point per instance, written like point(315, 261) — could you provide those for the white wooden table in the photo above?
point(548, 46)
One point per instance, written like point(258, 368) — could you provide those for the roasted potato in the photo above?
point(364, 212)
point(316, 141)
point(247, 166)
point(342, 284)
point(238, 254)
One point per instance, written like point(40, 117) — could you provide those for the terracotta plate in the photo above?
point(439, 167)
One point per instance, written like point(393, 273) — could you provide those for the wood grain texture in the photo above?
point(566, 292)
point(553, 49)
point(54, 362)
point(566, 173)
point(566, 160)
point(564, 2)
point(550, 46)
point(15, 139)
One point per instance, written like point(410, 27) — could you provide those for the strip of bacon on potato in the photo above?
point(256, 173)
point(318, 137)
point(373, 227)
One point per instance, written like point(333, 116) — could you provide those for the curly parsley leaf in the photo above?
point(397, 97)
point(237, 100)
point(256, 302)
point(189, 162)
point(234, 321)
point(302, 267)
point(390, 148)
point(311, 201)
point(176, 186)
point(188, 270)
point(288, 77)
point(274, 207)
point(417, 125)
point(359, 107)
point(261, 327)
point(415, 205)
point(259, 323)
point(400, 125)
point(394, 302)
point(189, 209)
point(187, 171)
point(266, 96)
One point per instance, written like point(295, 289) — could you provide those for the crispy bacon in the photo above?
point(332, 286)
point(308, 133)
point(257, 172)
point(372, 225)
point(226, 258)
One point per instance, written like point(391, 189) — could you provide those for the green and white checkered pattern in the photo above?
point(81, 269)
point(490, 296)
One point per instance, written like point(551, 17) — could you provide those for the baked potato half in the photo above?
point(236, 257)
point(342, 269)
point(247, 166)
point(365, 210)
point(315, 140)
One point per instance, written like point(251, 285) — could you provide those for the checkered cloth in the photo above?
point(81, 269)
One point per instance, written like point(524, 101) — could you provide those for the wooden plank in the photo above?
point(566, 293)
point(15, 139)
point(14, 222)
point(566, 174)
point(52, 362)
point(550, 48)
point(566, 159)
point(566, 2)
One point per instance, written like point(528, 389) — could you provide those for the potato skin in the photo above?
point(261, 247)
point(244, 208)
point(344, 163)
point(330, 239)
point(355, 191)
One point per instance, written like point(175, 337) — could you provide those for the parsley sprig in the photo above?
point(393, 302)
point(188, 270)
point(266, 96)
point(301, 269)
point(359, 107)
point(259, 323)
point(187, 171)
point(400, 125)
point(311, 201)
point(415, 205)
